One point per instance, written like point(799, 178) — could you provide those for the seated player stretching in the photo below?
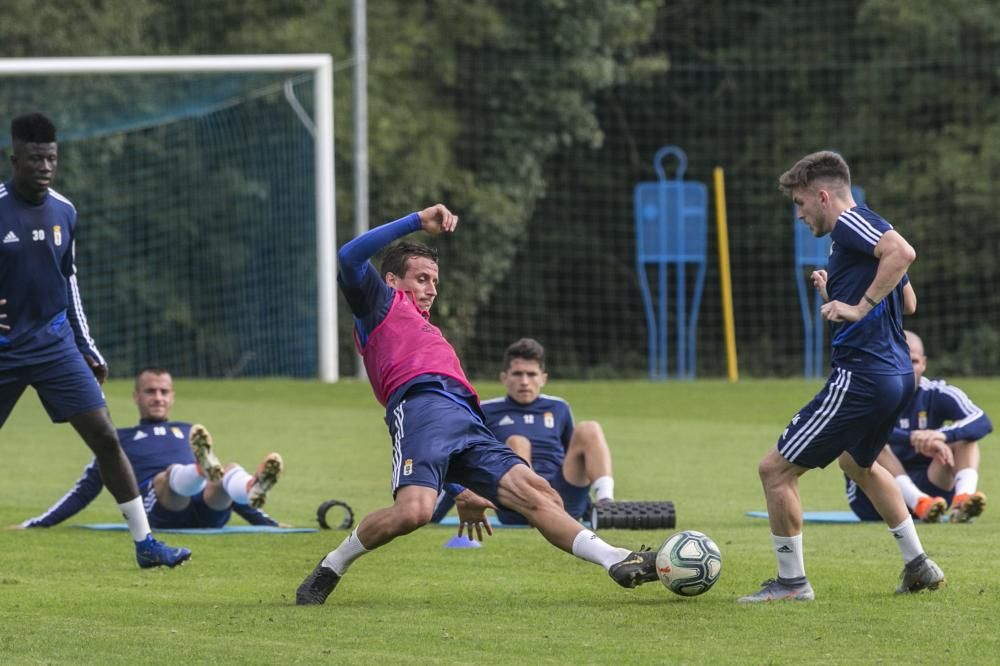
point(433, 414)
point(181, 480)
point(933, 451)
point(540, 429)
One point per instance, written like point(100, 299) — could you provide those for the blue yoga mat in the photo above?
point(817, 516)
point(228, 529)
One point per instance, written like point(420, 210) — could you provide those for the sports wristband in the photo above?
point(453, 489)
point(870, 301)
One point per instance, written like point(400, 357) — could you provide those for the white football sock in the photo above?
point(791, 563)
point(588, 546)
point(905, 535)
point(966, 481)
point(349, 550)
point(911, 494)
point(135, 514)
point(236, 483)
point(604, 488)
point(185, 480)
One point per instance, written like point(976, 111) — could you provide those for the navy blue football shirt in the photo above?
point(38, 279)
point(546, 422)
point(876, 343)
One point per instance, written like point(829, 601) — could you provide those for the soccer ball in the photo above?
point(688, 563)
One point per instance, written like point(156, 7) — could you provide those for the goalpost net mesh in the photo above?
point(196, 216)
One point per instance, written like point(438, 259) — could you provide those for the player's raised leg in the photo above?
point(524, 491)
point(588, 461)
point(268, 471)
point(926, 507)
point(97, 430)
point(242, 488)
point(201, 446)
point(176, 485)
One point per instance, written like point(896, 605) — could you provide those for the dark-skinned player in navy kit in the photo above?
point(45, 342)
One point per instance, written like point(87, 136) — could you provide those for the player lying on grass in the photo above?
point(437, 428)
point(45, 342)
point(540, 429)
point(182, 481)
point(933, 450)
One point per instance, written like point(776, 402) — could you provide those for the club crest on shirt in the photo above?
point(549, 420)
point(922, 420)
point(57, 234)
point(408, 467)
point(178, 433)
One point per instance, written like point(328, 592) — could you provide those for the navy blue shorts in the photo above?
point(865, 510)
point(576, 500)
point(853, 413)
point(196, 514)
point(66, 387)
point(436, 440)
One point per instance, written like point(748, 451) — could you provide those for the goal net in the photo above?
point(200, 215)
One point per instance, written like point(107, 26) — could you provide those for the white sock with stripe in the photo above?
point(905, 535)
point(349, 550)
point(966, 481)
point(788, 550)
point(135, 515)
point(911, 494)
point(588, 546)
point(604, 488)
point(185, 480)
point(236, 483)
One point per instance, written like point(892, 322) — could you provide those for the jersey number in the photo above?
point(38, 234)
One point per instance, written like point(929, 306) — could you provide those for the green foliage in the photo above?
point(523, 115)
point(538, 66)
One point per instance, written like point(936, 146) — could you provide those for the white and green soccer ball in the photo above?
point(688, 563)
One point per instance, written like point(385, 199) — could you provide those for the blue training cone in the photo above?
point(462, 541)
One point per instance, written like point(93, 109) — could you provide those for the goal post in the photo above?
point(320, 66)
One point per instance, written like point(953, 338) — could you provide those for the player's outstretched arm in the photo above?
point(76, 500)
point(437, 219)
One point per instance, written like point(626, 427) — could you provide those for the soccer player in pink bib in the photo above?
point(439, 437)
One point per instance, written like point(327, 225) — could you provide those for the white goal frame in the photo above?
point(321, 66)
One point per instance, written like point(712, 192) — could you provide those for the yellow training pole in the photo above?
point(722, 228)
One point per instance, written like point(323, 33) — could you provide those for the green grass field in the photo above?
point(73, 595)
